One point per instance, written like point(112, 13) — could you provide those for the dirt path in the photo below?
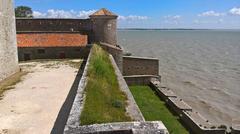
point(33, 105)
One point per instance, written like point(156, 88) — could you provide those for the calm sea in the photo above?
point(202, 67)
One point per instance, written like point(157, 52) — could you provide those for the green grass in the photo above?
point(154, 109)
point(105, 102)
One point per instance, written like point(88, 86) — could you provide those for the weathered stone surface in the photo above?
point(77, 107)
point(133, 65)
point(235, 129)
point(132, 108)
point(8, 47)
point(154, 127)
point(192, 119)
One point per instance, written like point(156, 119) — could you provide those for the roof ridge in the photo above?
point(103, 12)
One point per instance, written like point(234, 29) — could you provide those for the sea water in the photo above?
point(201, 66)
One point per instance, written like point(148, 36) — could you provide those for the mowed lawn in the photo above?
point(105, 102)
point(154, 109)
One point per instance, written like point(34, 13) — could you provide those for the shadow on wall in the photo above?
point(62, 117)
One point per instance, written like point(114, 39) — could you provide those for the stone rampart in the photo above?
point(115, 51)
point(52, 52)
point(8, 45)
point(191, 118)
point(140, 66)
point(139, 79)
point(50, 25)
point(132, 109)
point(150, 127)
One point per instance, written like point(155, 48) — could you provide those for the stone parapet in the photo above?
point(191, 118)
point(140, 79)
point(116, 52)
point(140, 66)
point(154, 127)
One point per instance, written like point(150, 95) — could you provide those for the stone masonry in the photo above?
point(8, 47)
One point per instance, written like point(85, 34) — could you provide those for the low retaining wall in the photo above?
point(192, 119)
point(154, 127)
point(116, 52)
point(235, 129)
point(77, 107)
point(73, 122)
point(140, 79)
point(140, 66)
point(52, 52)
point(132, 108)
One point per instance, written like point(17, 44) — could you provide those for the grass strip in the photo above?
point(105, 102)
point(155, 109)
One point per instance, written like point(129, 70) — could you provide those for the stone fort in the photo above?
point(43, 38)
point(40, 34)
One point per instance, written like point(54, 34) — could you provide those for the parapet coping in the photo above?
point(134, 76)
point(141, 58)
point(198, 119)
point(182, 105)
point(167, 92)
point(77, 107)
point(132, 108)
point(111, 46)
point(20, 18)
point(46, 32)
point(150, 127)
point(236, 127)
point(194, 116)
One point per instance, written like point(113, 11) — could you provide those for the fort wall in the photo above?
point(140, 70)
point(52, 45)
point(104, 29)
point(8, 45)
point(116, 52)
point(140, 66)
point(50, 25)
point(31, 53)
point(51, 39)
point(191, 118)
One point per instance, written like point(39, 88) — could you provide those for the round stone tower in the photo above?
point(104, 24)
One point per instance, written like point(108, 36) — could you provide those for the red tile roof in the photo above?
point(51, 40)
point(103, 12)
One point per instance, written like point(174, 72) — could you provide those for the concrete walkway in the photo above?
point(32, 107)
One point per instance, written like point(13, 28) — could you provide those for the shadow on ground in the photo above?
point(64, 112)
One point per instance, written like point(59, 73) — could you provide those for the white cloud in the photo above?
point(132, 18)
point(172, 19)
point(219, 21)
point(85, 14)
point(51, 13)
point(235, 11)
point(37, 14)
point(211, 13)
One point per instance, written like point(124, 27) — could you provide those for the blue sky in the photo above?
point(214, 14)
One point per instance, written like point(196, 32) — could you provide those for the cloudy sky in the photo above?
point(213, 14)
